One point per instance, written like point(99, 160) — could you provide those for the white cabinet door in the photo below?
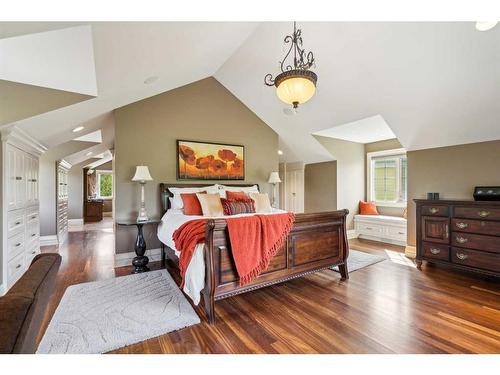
point(20, 178)
point(35, 180)
point(10, 165)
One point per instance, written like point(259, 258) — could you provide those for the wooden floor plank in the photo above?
point(389, 307)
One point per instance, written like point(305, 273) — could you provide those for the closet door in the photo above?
point(295, 191)
point(20, 178)
point(10, 165)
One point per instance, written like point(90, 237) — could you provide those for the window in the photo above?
point(105, 184)
point(387, 177)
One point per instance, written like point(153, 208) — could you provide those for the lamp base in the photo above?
point(143, 216)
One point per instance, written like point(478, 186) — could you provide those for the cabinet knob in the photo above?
point(484, 213)
point(462, 225)
point(462, 256)
point(461, 240)
point(435, 251)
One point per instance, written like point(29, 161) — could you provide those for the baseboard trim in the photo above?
point(125, 259)
point(107, 214)
point(75, 222)
point(48, 240)
point(351, 233)
point(2, 290)
point(411, 251)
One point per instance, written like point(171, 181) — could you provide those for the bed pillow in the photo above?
point(210, 204)
point(367, 208)
point(177, 203)
point(237, 196)
point(191, 203)
point(235, 207)
point(262, 203)
point(245, 189)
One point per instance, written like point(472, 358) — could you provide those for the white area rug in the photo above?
point(359, 259)
point(101, 316)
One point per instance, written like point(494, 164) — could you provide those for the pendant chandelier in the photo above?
point(296, 84)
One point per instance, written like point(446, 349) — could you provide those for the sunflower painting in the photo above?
point(210, 161)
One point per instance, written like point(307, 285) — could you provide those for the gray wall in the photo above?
point(146, 134)
point(350, 157)
point(75, 191)
point(320, 187)
point(452, 172)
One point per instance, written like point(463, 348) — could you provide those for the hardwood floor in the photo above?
point(389, 307)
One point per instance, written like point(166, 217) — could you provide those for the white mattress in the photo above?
point(194, 280)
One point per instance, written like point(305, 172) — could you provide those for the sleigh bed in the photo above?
point(317, 241)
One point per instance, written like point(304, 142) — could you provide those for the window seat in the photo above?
point(390, 229)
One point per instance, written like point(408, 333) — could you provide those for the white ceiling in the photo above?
point(367, 130)
point(436, 84)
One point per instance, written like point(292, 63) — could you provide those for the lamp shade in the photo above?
point(142, 174)
point(274, 178)
point(296, 90)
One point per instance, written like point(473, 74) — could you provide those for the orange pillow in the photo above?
point(192, 204)
point(368, 208)
point(237, 196)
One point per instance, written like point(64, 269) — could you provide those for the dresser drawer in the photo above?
point(32, 234)
point(15, 269)
point(370, 229)
point(15, 246)
point(491, 228)
point(435, 210)
point(435, 251)
point(16, 222)
point(30, 254)
point(476, 241)
point(32, 216)
point(476, 259)
point(477, 213)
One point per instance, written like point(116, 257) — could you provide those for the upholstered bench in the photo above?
point(22, 309)
point(390, 229)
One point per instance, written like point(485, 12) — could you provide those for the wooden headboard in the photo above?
point(165, 192)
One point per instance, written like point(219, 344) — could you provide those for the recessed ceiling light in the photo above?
point(89, 153)
point(280, 152)
point(485, 25)
point(150, 80)
point(77, 129)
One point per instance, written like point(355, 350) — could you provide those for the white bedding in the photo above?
point(194, 280)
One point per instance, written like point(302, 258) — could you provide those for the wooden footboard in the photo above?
point(317, 241)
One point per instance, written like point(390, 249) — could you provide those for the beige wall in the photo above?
point(350, 157)
point(146, 134)
point(320, 187)
point(390, 144)
point(452, 172)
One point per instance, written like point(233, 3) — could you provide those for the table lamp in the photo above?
point(142, 175)
point(274, 179)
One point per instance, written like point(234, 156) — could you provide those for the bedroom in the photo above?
point(233, 202)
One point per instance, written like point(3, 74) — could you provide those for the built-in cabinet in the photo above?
point(20, 208)
point(62, 169)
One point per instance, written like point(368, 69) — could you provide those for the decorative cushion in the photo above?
point(262, 203)
point(177, 203)
point(237, 196)
point(210, 204)
point(367, 208)
point(245, 189)
point(191, 203)
point(235, 207)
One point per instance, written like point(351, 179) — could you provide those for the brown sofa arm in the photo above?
point(13, 312)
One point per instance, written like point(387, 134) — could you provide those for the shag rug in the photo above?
point(359, 259)
point(101, 316)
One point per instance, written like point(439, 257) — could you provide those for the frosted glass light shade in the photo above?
point(296, 90)
point(274, 178)
point(142, 174)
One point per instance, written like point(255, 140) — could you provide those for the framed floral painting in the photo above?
point(210, 161)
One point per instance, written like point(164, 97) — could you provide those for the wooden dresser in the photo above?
point(459, 233)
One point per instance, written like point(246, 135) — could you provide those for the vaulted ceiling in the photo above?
point(434, 84)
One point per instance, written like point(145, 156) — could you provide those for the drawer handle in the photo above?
point(33, 235)
point(401, 232)
point(18, 266)
point(18, 222)
point(462, 240)
point(462, 225)
point(18, 244)
point(462, 256)
point(33, 252)
point(434, 210)
point(484, 213)
point(369, 228)
point(435, 251)
point(33, 217)
point(19, 178)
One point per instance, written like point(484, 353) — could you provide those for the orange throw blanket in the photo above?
point(255, 240)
